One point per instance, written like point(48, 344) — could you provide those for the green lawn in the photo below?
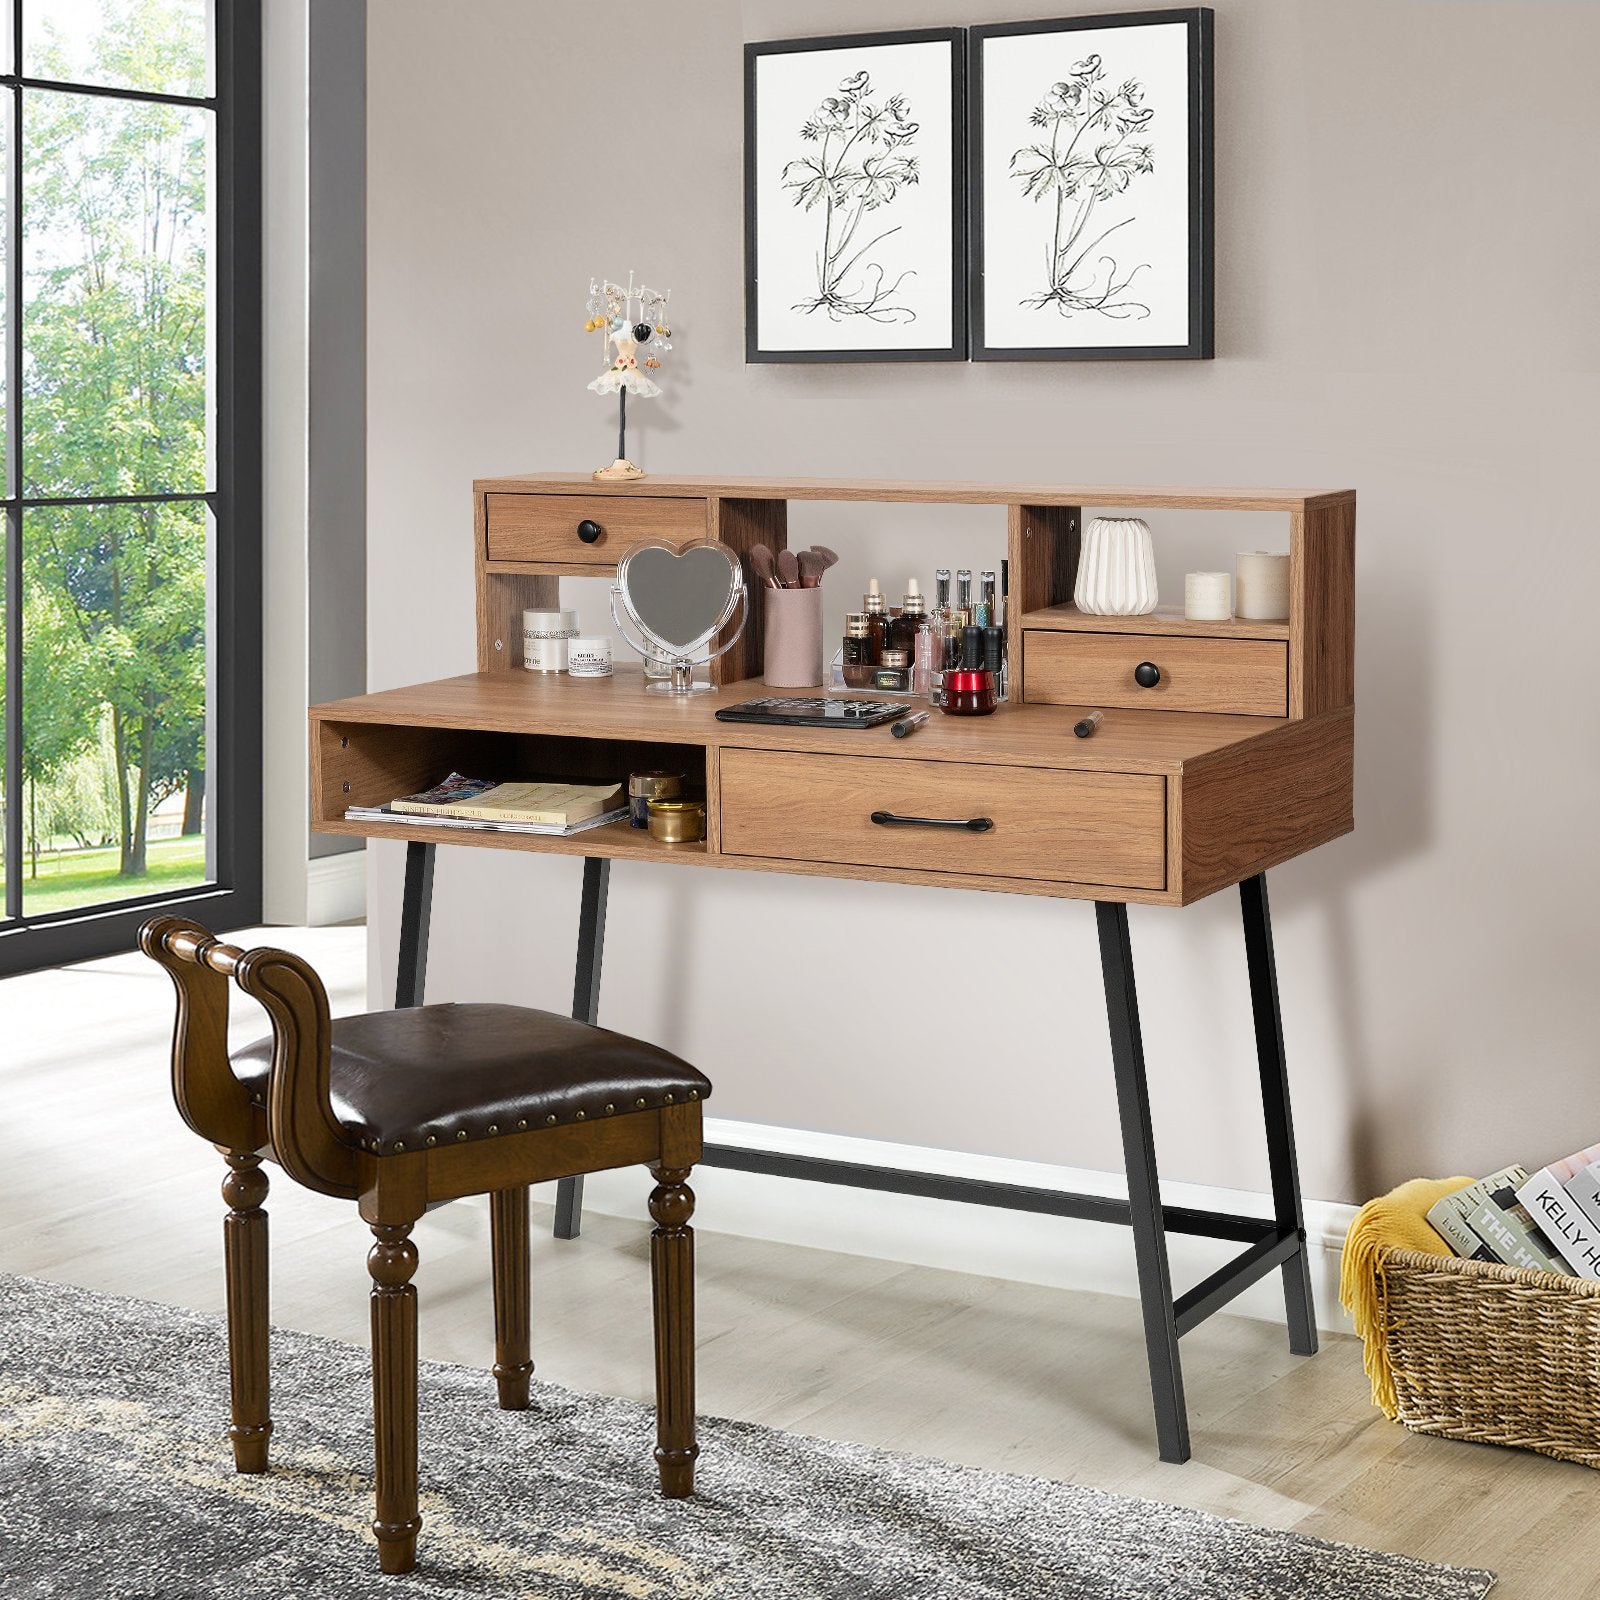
point(89, 877)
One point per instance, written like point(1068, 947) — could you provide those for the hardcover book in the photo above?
point(1512, 1240)
point(1449, 1221)
point(1584, 1187)
point(1450, 1216)
point(1561, 1221)
point(481, 799)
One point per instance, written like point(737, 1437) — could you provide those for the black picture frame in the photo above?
point(1200, 344)
point(956, 348)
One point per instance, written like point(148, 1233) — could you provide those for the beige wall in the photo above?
point(1406, 267)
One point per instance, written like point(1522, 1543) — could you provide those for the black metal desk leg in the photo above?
point(585, 1008)
point(1286, 1208)
point(411, 971)
point(1144, 1189)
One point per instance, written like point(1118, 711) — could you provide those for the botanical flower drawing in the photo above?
point(1093, 155)
point(861, 163)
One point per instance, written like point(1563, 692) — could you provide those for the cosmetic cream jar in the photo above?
point(545, 635)
point(589, 658)
point(677, 821)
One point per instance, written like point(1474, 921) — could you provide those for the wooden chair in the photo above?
point(401, 1110)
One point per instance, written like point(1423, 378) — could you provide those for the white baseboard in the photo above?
point(1055, 1251)
point(336, 888)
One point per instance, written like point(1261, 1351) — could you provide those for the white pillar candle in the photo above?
point(1208, 596)
point(1263, 586)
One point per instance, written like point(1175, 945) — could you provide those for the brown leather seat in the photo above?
point(431, 1075)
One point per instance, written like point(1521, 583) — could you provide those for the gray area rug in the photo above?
point(116, 1484)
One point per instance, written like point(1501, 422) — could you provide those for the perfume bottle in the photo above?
point(913, 612)
point(877, 622)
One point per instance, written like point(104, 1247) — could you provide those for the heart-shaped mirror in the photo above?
point(678, 600)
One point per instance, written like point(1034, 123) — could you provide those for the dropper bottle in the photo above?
point(877, 622)
point(903, 629)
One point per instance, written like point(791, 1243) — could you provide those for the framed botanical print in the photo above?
point(1091, 187)
point(855, 198)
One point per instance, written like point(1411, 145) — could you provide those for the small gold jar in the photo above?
point(677, 821)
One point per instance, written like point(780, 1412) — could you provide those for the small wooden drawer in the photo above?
point(1247, 676)
point(1064, 827)
point(552, 527)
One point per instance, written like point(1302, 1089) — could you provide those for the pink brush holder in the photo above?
point(792, 654)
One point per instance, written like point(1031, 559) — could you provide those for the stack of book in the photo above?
point(1549, 1221)
point(544, 807)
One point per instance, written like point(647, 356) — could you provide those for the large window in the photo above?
point(131, 470)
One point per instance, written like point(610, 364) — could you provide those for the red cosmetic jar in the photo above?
point(968, 694)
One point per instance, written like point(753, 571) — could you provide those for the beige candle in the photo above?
point(1262, 586)
point(1208, 596)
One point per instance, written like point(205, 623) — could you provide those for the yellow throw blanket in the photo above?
point(1395, 1221)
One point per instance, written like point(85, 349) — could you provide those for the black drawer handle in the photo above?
point(1147, 674)
point(589, 531)
point(892, 819)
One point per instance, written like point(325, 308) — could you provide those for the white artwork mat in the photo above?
point(1133, 254)
point(885, 282)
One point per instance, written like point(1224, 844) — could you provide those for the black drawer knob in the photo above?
point(589, 531)
point(1147, 674)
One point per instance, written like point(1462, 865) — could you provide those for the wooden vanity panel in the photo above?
point(1095, 828)
point(544, 527)
point(1042, 544)
point(1322, 607)
point(1244, 676)
point(1249, 808)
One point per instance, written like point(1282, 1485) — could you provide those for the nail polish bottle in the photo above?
point(994, 658)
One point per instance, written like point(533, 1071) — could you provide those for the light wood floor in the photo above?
point(101, 1185)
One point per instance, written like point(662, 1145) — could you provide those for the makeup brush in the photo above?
point(812, 566)
point(761, 565)
point(789, 569)
point(829, 557)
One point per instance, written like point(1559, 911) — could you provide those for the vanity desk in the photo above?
point(1234, 755)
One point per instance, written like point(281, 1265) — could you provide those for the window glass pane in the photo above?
point(4, 798)
point(114, 689)
point(163, 46)
point(115, 311)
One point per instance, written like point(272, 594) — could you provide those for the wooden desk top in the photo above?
point(921, 492)
point(1164, 742)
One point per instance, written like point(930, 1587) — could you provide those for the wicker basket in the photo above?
point(1502, 1355)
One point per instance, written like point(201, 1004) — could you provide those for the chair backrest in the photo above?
point(298, 1122)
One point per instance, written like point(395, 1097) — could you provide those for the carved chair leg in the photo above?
point(508, 1238)
point(672, 1280)
point(391, 1261)
point(244, 1246)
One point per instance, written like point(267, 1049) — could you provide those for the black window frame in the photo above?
point(233, 898)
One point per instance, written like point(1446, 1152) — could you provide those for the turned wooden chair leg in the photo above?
point(244, 1246)
point(508, 1237)
point(391, 1261)
point(672, 1280)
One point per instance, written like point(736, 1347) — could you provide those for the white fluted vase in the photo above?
point(1117, 569)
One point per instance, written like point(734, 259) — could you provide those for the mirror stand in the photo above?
point(670, 604)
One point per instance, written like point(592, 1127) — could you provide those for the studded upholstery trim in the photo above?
point(435, 1076)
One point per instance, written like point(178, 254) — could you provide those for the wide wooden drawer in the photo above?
point(1246, 676)
point(1064, 827)
point(552, 527)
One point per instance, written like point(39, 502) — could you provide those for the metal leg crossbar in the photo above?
point(1279, 1242)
